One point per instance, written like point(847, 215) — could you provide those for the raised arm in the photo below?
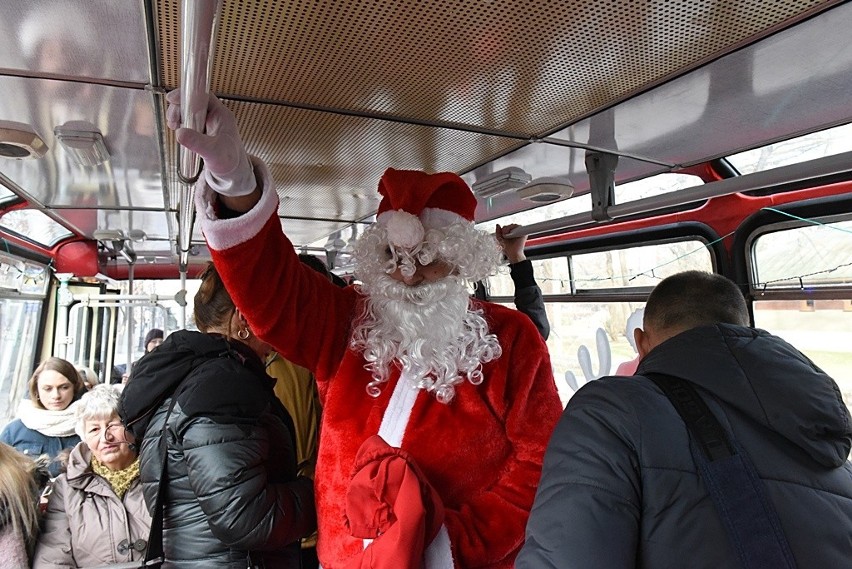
point(286, 304)
point(528, 297)
point(227, 169)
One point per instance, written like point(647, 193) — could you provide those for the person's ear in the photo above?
point(643, 342)
point(242, 325)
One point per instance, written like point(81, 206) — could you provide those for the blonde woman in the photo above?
point(20, 483)
point(96, 514)
point(46, 421)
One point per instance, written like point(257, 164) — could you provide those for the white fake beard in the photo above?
point(426, 330)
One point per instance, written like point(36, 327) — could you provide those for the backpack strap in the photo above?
point(749, 518)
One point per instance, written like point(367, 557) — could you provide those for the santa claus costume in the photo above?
point(470, 401)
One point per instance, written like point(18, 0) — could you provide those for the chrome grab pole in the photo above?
point(199, 19)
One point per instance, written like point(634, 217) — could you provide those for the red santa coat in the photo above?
point(482, 452)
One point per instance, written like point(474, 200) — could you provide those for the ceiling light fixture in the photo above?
point(83, 142)
point(500, 182)
point(19, 140)
point(547, 189)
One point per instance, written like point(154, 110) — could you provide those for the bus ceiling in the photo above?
point(532, 102)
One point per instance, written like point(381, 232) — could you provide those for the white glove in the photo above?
point(227, 169)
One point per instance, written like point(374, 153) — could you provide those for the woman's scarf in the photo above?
point(47, 422)
point(119, 480)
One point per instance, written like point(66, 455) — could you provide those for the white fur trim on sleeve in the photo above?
point(223, 234)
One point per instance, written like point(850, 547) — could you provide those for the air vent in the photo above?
point(19, 141)
point(83, 142)
point(500, 182)
point(547, 189)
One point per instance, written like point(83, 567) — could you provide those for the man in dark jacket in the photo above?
point(620, 487)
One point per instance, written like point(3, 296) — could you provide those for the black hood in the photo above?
point(764, 378)
point(157, 375)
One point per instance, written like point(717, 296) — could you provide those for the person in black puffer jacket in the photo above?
point(233, 496)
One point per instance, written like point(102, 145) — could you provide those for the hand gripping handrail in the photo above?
point(199, 20)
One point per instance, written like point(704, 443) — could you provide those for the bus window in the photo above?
point(589, 298)
point(795, 150)
point(810, 267)
point(654, 186)
point(35, 226)
point(638, 266)
point(23, 286)
point(165, 314)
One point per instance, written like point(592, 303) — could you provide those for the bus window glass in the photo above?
point(798, 261)
point(638, 266)
point(572, 206)
point(551, 275)
point(812, 256)
point(6, 195)
point(795, 150)
point(19, 320)
point(820, 329)
point(35, 226)
point(635, 267)
point(22, 276)
point(654, 186)
point(11, 273)
point(589, 340)
point(165, 314)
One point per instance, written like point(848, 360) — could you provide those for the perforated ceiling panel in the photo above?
point(333, 92)
point(523, 67)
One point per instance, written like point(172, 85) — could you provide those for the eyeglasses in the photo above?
point(112, 432)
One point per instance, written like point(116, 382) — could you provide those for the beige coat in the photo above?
point(86, 525)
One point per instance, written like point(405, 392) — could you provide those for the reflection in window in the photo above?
point(794, 151)
point(35, 226)
point(655, 186)
point(811, 256)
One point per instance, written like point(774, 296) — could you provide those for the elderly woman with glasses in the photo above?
point(96, 514)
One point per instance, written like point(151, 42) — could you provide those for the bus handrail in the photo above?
point(792, 173)
point(199, 23)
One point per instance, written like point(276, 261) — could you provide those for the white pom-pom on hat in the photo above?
point(404, 229)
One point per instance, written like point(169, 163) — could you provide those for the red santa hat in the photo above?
point(413, 201)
